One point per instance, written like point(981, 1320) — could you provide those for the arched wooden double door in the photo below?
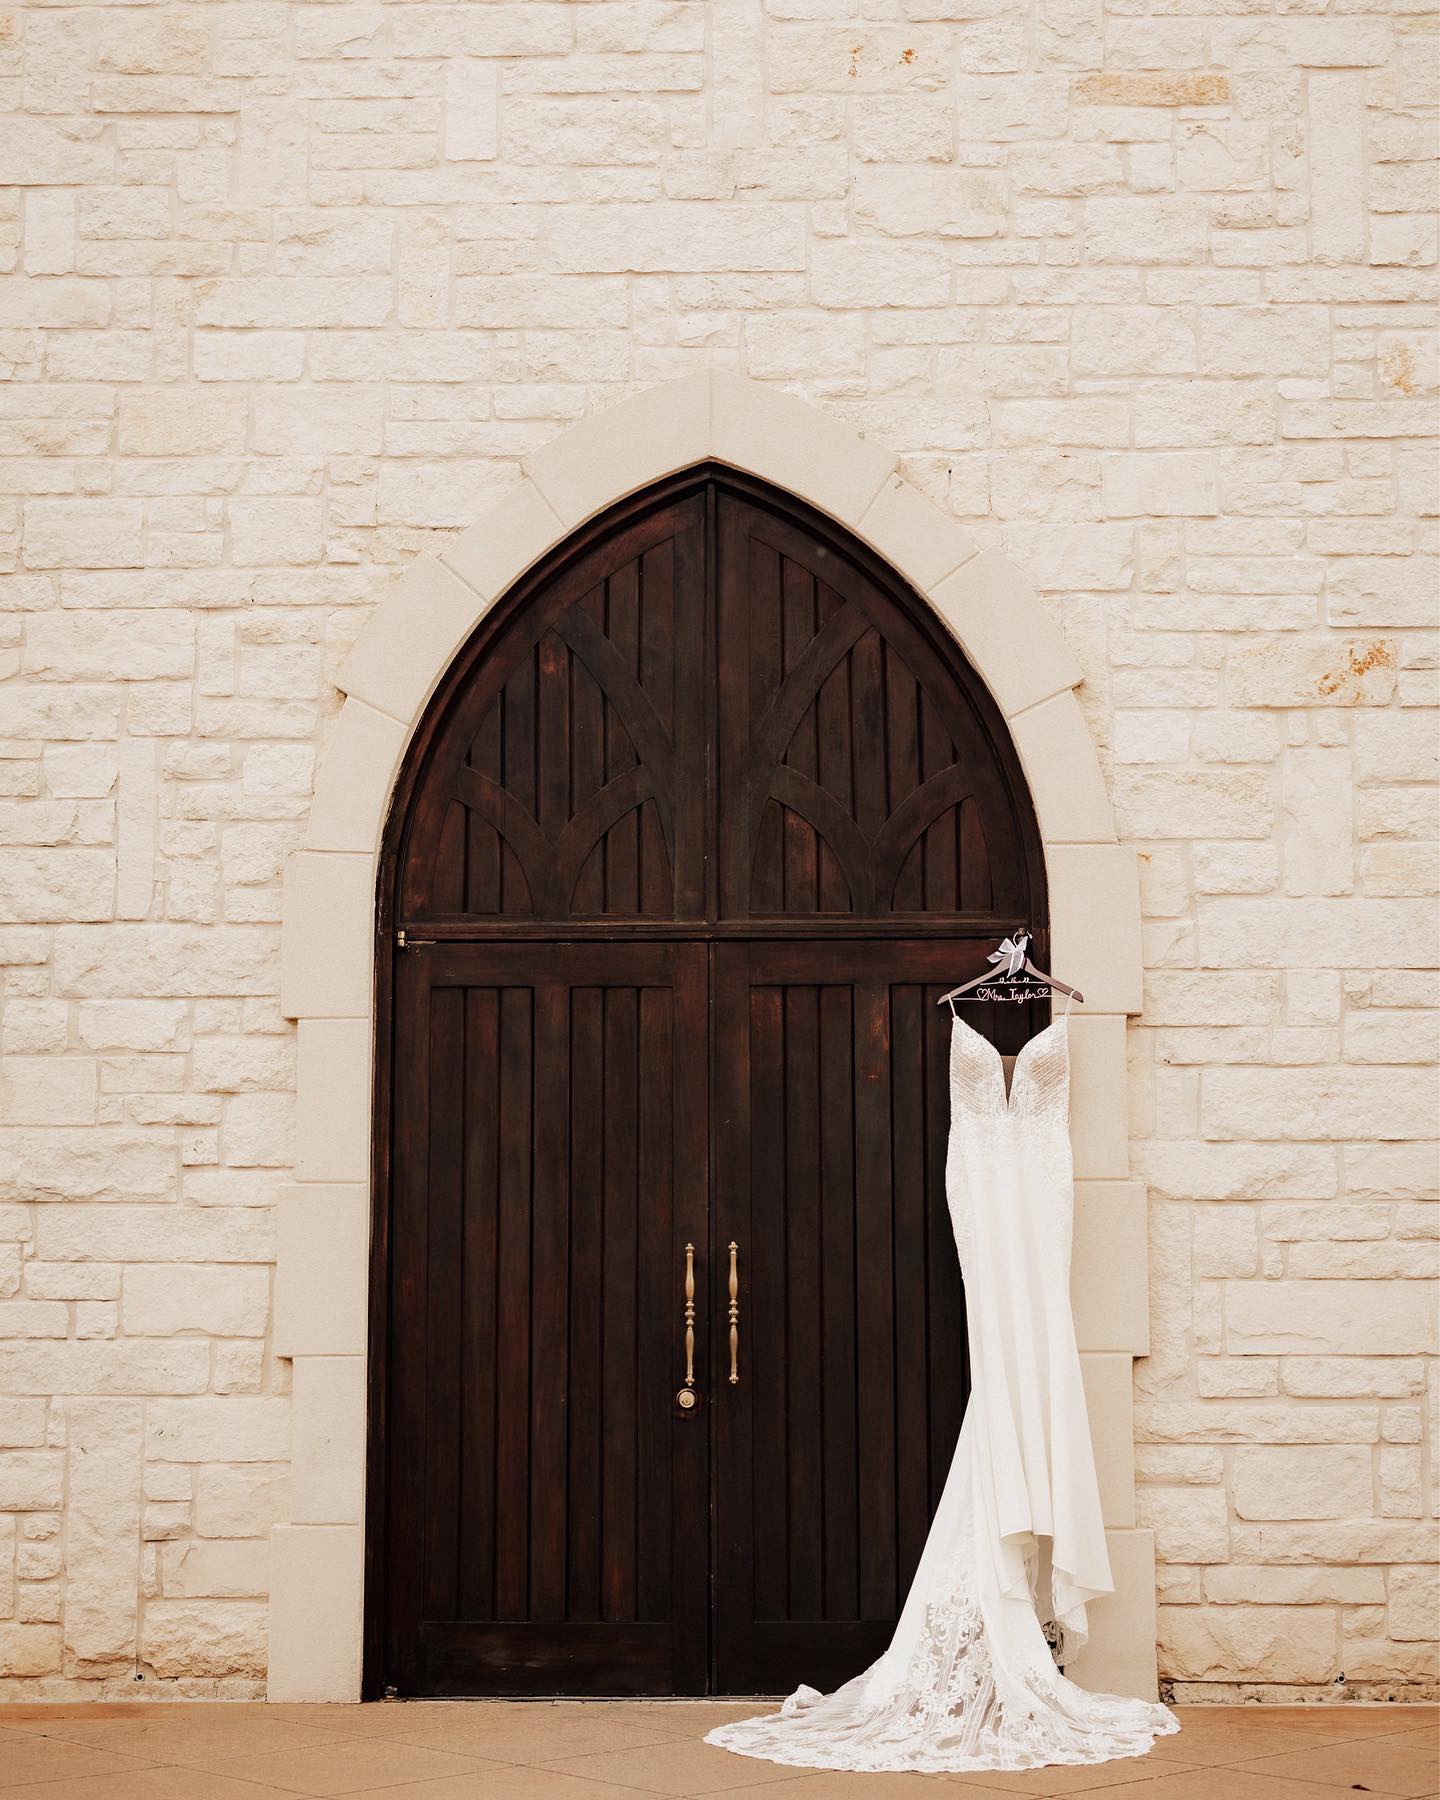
point(700, 824)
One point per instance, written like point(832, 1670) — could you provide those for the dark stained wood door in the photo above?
point(549, 1527)
point(695, 829)
point(831, 1111)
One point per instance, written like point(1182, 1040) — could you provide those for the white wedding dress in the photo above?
point(1017, 1547)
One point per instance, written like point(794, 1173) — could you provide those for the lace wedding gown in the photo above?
point(1016, 1548)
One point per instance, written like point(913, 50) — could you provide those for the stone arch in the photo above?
point(328, 958)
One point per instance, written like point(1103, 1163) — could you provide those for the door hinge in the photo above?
point(411, 943)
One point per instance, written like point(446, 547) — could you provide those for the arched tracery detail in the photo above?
point(716, 707)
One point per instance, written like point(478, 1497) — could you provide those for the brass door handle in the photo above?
point(734, 1316)
point(687, 1397)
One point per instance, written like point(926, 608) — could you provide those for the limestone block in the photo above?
point(1098, 1132)
point(329, 1445)
point(1308, 1481)
point(332, 1118)
point(176, 1367)
point(47, 1090)
point(69, 884)
point(909, 532)
point(1329, 1317)
point(31, 1480)
point(322, 1273)
point(102, 1539)
point(83, 534)
point(1108, 1404)
point(1005, 633)
point(1314, 933)
point(1414, 1607)
point(424, 618)
point(1095, 924)
point(1058, 756)
point(329, 901)
point(232, 1429)
point(241, 1500)
point(101, 646)
point(219, 1569)
point(29, 1649)
point(1247, 1643)
point(161, 1300)
point(172, 421)
point(1191, 1524)
point(236, 1065)
point(1108, 1286)
point(1301, 672)
point(315, 1613)
point(763, 430)
point(104, 1162)
point(161, 960)
point(204, 1638)
point(656, 236)
point(154, 1234)
point(1118, 1657)
point(1301, 1103)
point(491, 554)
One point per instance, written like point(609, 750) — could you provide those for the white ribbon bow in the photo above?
point(1012, 954)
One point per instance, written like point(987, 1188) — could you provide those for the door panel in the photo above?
point(702, 817)
point(831, 1109)
point(566, 778)
point(548, 1512)
point(857, 776)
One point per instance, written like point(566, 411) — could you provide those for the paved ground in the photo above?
point(615, 1750)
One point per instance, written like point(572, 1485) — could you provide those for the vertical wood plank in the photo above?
point(512, 1375)
point(912, 1411)
point(876, 1321)
point(655, 1105)
point(836, 1133)
point(549, 1282)
point(622, 841)
point(769, 1281)
point(805, 1374)
point(479, 1346)
point(583, 1399)
point(444, 1311)
point(621, 1204)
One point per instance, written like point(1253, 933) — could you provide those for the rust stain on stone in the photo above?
point(907, 56)
point(1379, 656)
point(1161, 88)
point(1397, 367)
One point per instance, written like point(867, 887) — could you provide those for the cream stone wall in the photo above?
point(1140, 299)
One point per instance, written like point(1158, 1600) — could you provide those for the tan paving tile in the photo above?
point(1222, 1784)
point(388, 1718)
point(347, 1766)
point(679, 1768)
point(537, 1734)
point(172, 1733)
point(832, 1784)
point(146, 1784)
point(1325, 1720)
point(1377, 1764)
point(694, 1718)
point(1206, 1742)
point(513, 1784)
point(1084, 1780)
point(1419, 1740)
point(24, 1758)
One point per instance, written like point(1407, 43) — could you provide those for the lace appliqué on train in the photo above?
point(1017, 1546)
point(946, 1711)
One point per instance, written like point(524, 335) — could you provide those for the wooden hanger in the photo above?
point(1014, 954)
